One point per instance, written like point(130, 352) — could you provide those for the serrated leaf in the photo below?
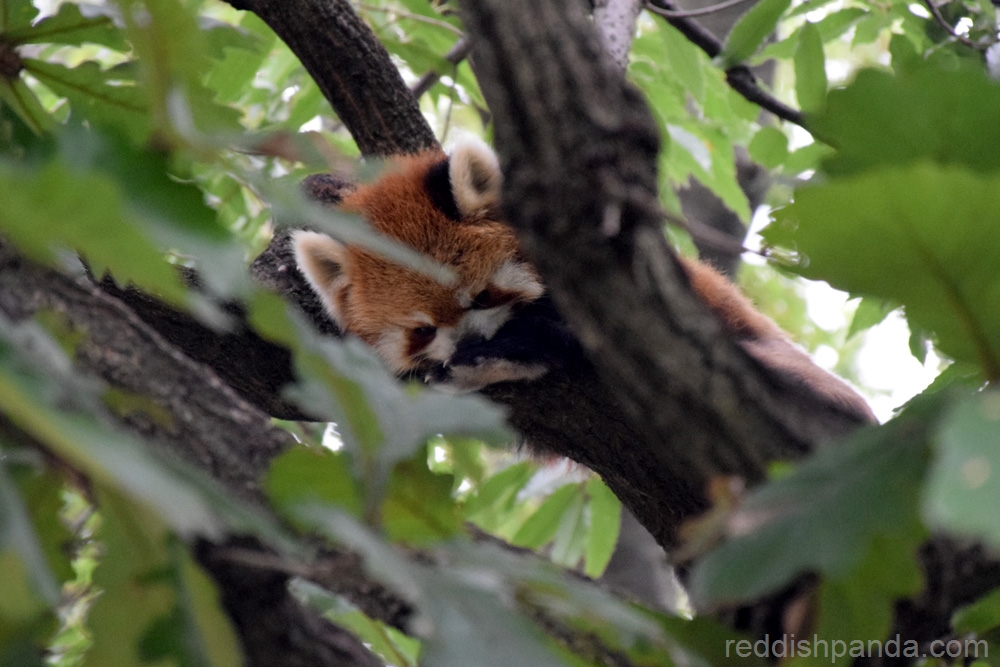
point(74, 24)
point(870, 311)
point(90, 92)
point(903, 234)
point(16, 14)
point(751, 31)
point(826, 516)
point(53, 207)
point(928, 115)
point(963, 491)
point(810, 69)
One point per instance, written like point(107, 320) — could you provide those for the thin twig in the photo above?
point(936, 13)
point(740, 78)
point(413, 17)
point(457, 54)
point(691, 13)
point(711, 237)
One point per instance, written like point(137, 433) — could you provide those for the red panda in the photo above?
point(493, 324)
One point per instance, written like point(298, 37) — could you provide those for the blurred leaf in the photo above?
point(16, 15)
point(55, 206)
point(304, 474)
point(883, 119)
point(751, 31)
point(418, 509)
point(173, 53)
point(963, 492)
point(497, 495)
point(98, 95)
point(545, 521)
point(196, 631)
point(73, 24)
point(35, 378)
point(810, 69)
point(605, 522)
point(825, 517)
point(154, 601)
point(390, 644)
point(30, 526)
point(979, 617)
point(15, 94)
point(915, 223)
point(769, 147)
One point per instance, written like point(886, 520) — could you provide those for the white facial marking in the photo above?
point(485, 322)
point(443, 345)
point(515, 276)
point(391, 346)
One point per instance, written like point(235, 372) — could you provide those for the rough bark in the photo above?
point(212, 428)
point(578, 149)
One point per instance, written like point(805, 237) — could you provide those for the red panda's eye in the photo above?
point(422, 336)
point(483, 301)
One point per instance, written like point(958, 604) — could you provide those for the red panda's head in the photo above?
point(446, 208)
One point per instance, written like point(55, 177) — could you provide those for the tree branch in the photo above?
point(740, 78)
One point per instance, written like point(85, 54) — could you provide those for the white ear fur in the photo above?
point(475, 176)
point(321, 260)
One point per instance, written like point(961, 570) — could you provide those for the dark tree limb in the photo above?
point(740, 78)
point(578, 147)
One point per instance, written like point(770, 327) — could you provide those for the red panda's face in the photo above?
point(447, 210)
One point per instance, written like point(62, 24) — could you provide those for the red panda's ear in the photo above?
point(322, 261)
point(475, 177)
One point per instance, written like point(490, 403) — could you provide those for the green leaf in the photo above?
point(963, 492)
point(979, 617)
point(810, 69)
point(54, 207)
point(497, 495)
point(870, 311)
point(36, 377)
point(305, 474)
point(769, 147)
point(155, 602)
point(902, 234)
point(16, 15)
point(826, 516)
point(15, 94)
point(605, 522)
point(751, 31)
point(929, 115)
point(543, 524)
point(390, 644)
point(98, 95)
point(418, 509)
point(73, 25)
point(30, 525)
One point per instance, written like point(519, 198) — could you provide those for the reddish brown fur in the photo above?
point(375, 297)
point(384, 294)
